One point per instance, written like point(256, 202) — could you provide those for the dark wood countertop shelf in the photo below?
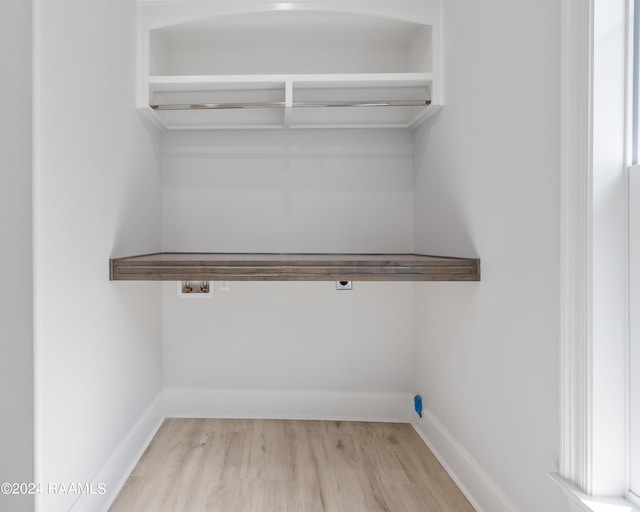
point(168, 266)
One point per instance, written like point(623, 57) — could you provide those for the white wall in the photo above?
point(309, 350)
point(16, 298)
point(289, 191)
point(96, 195)
point(487, 184)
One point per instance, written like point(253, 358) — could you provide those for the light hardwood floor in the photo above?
point(214, 465)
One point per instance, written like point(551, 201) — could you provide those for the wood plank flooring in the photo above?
point(215, 465)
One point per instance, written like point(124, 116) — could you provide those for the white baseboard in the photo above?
point(478, 487)
point(116, 470)
point(211, 403)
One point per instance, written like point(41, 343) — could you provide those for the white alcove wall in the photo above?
point(294, 349)
point(96, 193)
point(487, 354)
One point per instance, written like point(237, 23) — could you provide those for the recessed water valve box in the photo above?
point(194, 289)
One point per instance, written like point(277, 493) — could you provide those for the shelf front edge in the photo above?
point(267, 267)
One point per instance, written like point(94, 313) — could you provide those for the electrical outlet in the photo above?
point(344, 285)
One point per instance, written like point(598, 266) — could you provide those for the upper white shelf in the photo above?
point(292, 101)
point(272, 65)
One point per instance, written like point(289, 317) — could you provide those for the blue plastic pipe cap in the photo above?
point(417, 404)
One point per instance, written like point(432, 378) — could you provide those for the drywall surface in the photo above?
point(16, 297)
point(289, 191)
point(487, 168)
point(96, 194)
point(306, 341)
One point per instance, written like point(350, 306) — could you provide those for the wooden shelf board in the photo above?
point(292, 267)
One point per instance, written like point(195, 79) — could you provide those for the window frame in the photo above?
point(633, 464)
point(595, 262)
point(632, 492)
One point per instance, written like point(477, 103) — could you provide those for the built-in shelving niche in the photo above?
point(216, 64)
point(288, 68)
